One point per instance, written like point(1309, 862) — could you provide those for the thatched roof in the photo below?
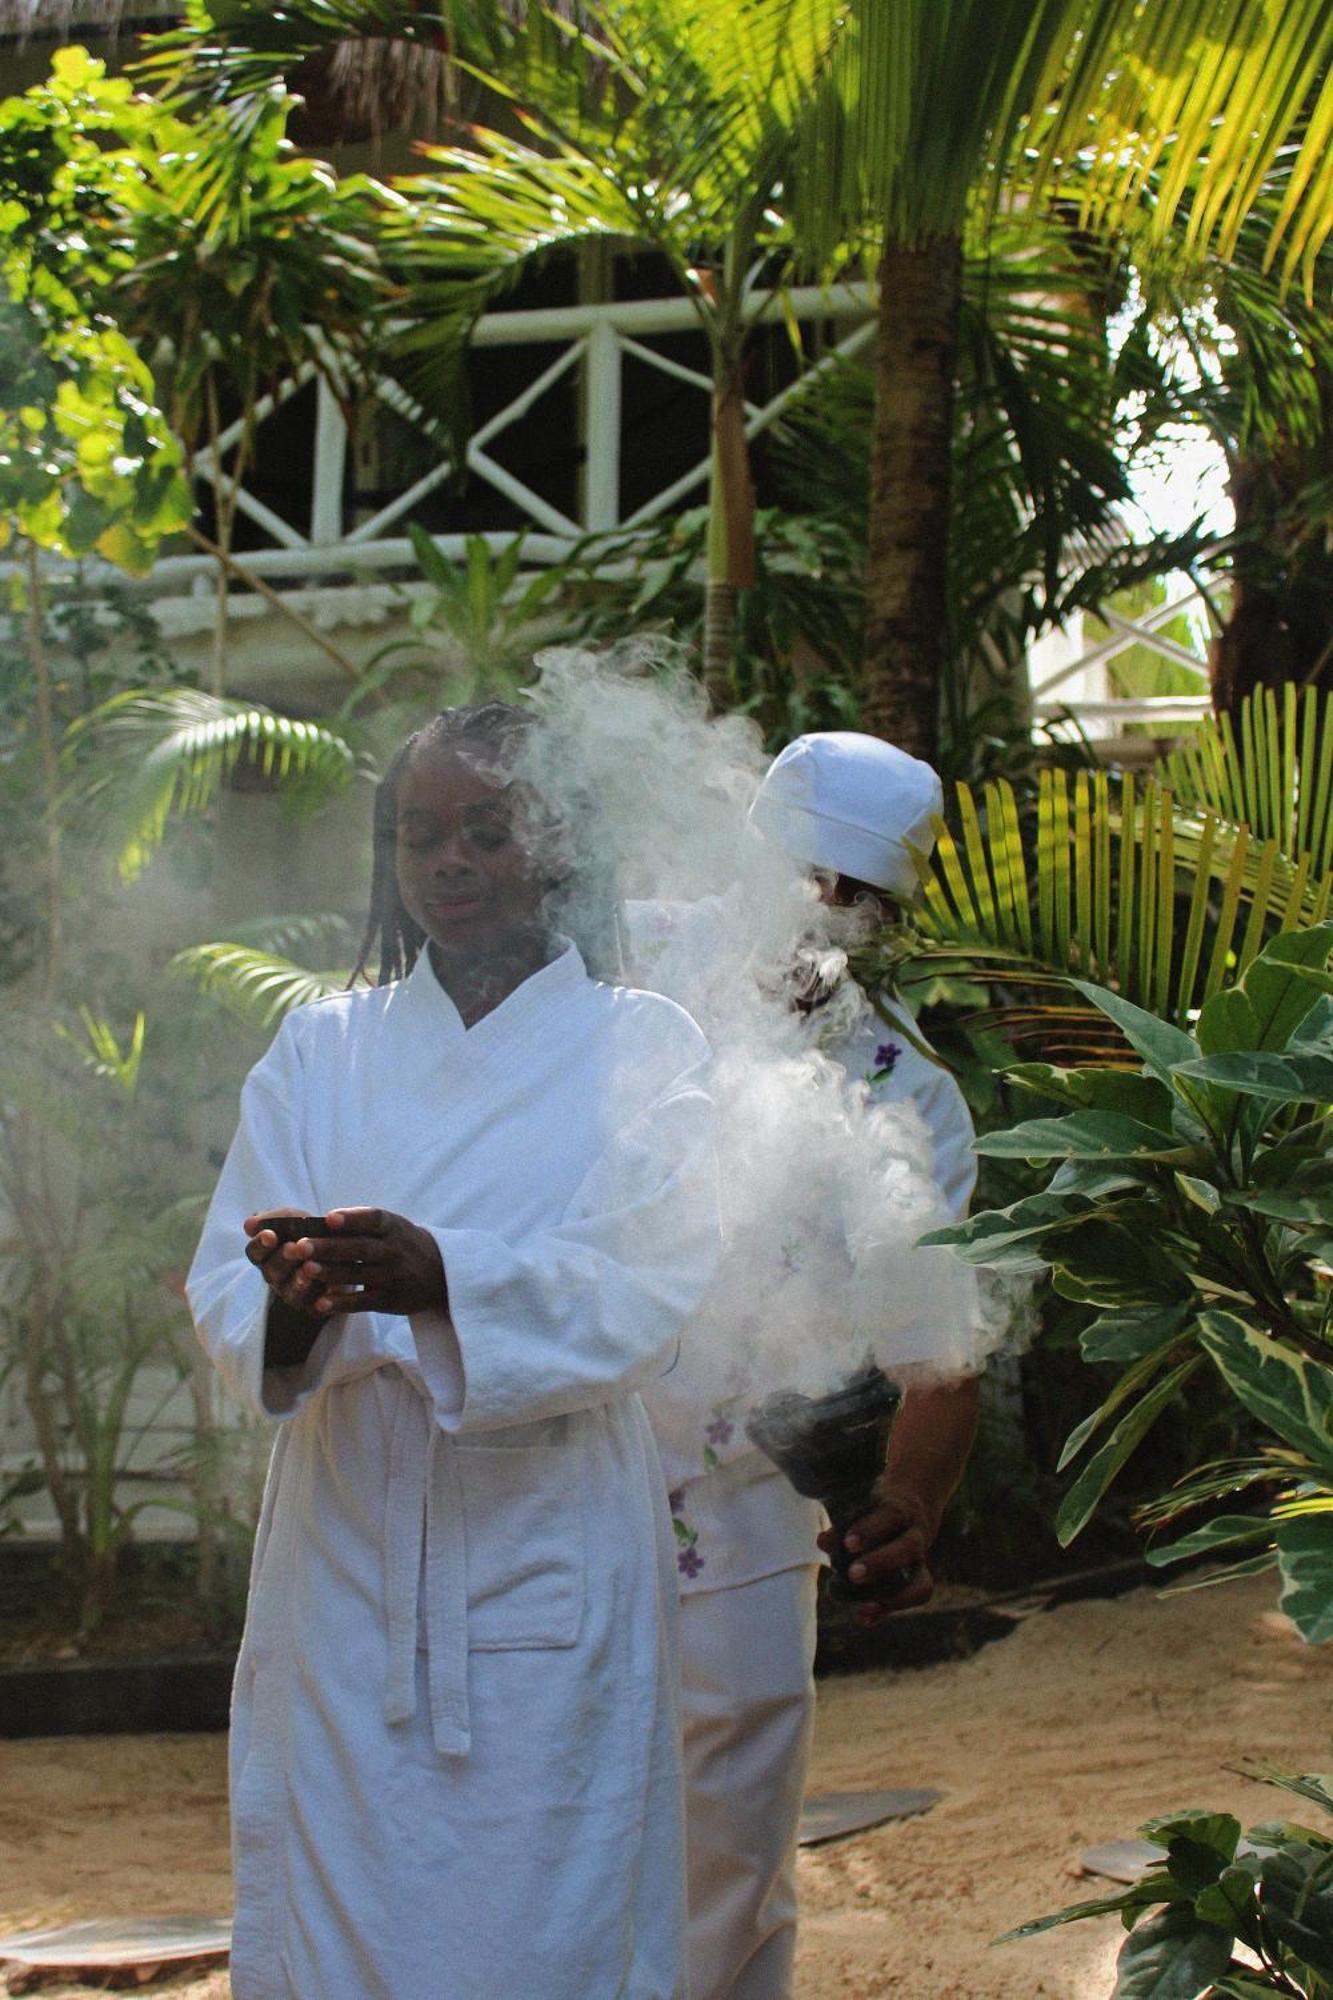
point(58, 20)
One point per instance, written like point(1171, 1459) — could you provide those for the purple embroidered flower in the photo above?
point(689, 1562)
point(720, 1431)
point(676, 1499)
point(886, 1055)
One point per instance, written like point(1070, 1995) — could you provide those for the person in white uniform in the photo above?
point(850, 808)
point(455, 1753)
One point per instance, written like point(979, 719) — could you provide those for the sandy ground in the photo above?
point(1084, 1723)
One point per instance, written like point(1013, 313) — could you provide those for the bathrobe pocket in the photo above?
point(526, 1553)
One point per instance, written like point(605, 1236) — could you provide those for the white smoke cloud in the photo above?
point(824, 1194)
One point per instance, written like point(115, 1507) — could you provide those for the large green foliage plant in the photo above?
point(1191, 1202)
point(1268, 1892)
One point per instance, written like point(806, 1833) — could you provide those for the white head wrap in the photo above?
point(851, 803)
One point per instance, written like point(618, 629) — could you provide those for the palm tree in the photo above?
point(910, 121)
point(938, 105)
point(667, 129)
point(667, 126)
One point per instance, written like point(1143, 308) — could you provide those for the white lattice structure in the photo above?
point(344, 573)
point(1069, 677)
point(337, 575)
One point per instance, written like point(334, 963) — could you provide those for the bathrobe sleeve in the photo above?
point(266, 1167)
point(588, 1310)
point(558, 1320)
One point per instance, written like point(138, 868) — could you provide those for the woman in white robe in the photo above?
point(455, 1746)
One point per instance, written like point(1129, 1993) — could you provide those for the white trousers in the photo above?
point(748, 1706)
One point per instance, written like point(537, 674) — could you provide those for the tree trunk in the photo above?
point(719, 633)
point(907, 609)
point(730, 528)
point(1279, 627)
point(1280, 624)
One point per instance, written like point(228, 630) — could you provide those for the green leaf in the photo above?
point(1275, 986)
point(1311, 1209)
point(1084, 1135)
point(1162, 1046)
point(1080, 1502)
point(1229, 1573)
point(1224, 1532)
point(1171, 1956)
point(1011, 1237)
point(1292, 1079)
point(1296, 1891)
point(1290, 1393)
point(1134, 1378)
point(1305, 1560)
point(1218, 1832)
point(1117, 1261)
point(166, 752)
point(1090, 1177)
point(1229, 1902)
point(1154, 1887)
point(1201, 1193)
point(259, 985)
point(1316, 976)
point(1226, 1022)
point(1194, 1865)
point(1128, 1336)
point(1140, 1097)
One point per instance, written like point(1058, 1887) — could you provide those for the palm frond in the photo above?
point(1109, 883)
point(932, 99)
point(166, 752)
point(1203, 100)
point(259, 985)
point(1271, 772)
point(668, 126)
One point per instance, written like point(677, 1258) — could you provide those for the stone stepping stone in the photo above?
point(838, 1815)
point(138, 1944)
point(1121, 1860)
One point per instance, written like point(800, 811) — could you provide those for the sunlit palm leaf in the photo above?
point(160, 754)
point(256, 984)
point(232, 53)
point(935, 98)
point(1219, 89)
point(1112, 884)
point(1273, 772)
point(667, 127)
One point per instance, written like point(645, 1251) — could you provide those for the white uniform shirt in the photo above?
point(736, 1517)
point(454, 1742)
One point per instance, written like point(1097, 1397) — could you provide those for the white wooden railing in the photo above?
point(338, 574)
point(333, 570)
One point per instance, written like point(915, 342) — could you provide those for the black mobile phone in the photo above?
point(290, 1228)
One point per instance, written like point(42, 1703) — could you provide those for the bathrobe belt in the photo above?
point(425, 1505)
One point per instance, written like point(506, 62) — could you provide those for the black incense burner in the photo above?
point(832, 1450)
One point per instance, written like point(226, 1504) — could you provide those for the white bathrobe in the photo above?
point(455, 1762)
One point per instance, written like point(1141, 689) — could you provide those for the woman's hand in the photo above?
point(370, 1261)
point(282, 1266)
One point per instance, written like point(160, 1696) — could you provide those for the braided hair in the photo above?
point(495, 727)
